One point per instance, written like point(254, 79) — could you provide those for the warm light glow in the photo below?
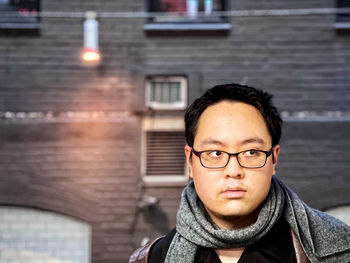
point(91, 55)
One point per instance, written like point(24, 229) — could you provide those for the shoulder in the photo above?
point(160, 248)
point(140, 255)
point(153, 252)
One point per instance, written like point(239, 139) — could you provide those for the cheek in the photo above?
point(262, 187)
point(204, 182)
point(200, 181)
point(205, 192)
point(260, 182)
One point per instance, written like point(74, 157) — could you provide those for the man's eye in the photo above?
point(215, 154)
point(250, 153)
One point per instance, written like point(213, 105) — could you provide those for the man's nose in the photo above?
point(233, 168)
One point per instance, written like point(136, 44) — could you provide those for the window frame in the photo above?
point(192, 25)
point(161, 124)
point(167, 106)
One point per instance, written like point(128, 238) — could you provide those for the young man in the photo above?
point(234, 209)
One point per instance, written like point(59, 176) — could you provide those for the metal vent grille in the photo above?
point(165, 153)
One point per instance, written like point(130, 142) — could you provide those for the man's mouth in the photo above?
point(233, 192)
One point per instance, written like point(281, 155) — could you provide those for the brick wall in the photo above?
point(314, 161)
point(82, 169)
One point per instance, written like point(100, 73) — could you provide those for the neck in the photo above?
point(234, 222)
point(229, 255)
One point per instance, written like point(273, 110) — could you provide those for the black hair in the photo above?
point(261, 100)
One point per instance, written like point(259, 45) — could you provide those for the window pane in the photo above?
point(26, 13)
point(153, 92)
point(172, 5)
point(175, 92)
point(158, 92)
point(23, 5)
point(208, 6)
point(343, 17)
point(184, 5)
point(165, 92)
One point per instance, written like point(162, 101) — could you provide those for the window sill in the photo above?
point(342, 28)
point(166, 181)
point(342, 25)
point(19, 25)
point(192, 28)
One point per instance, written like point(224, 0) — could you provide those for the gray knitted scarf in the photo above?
point(323, 238)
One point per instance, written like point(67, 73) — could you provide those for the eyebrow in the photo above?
point(253, 140)
point(246, 141)
point(211, 141)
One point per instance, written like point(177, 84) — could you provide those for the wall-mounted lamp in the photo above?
point(91, 54)
point(148, 201)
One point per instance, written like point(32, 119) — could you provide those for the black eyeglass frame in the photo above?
point(198, 154)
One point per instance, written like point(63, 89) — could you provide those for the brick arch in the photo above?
point(60, 197)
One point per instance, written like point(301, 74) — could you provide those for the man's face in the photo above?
point(232, 195)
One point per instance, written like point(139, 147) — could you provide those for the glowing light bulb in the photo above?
point(91, 55)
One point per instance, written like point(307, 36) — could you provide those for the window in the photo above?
point(187, 15)
point(163, 156)
point(342, 21)
point(29, 235)
point(166, 92)
point(19, 14)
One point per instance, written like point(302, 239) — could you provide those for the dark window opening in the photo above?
point(342, 20)
point(191, 15)
point(19, 14)
point(187, 10)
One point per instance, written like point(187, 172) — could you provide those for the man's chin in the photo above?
point(237, 219)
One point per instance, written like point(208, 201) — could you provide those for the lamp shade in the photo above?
point(91, 53)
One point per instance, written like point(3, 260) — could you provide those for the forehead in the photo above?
point(231, 123)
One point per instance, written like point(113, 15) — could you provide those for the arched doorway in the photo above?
point(342, 213)
point(36, 236)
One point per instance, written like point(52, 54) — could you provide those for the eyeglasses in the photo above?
point(215, 159)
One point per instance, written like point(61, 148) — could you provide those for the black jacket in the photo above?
point(275, 247)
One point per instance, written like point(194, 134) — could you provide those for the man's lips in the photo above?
point(233, 192)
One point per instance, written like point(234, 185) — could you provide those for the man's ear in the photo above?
point(188, 153)
point(275, 153)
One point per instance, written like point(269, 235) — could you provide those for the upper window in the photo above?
point(342, 21)
point(19, 14)
point(187, 15)
point(166, 92)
